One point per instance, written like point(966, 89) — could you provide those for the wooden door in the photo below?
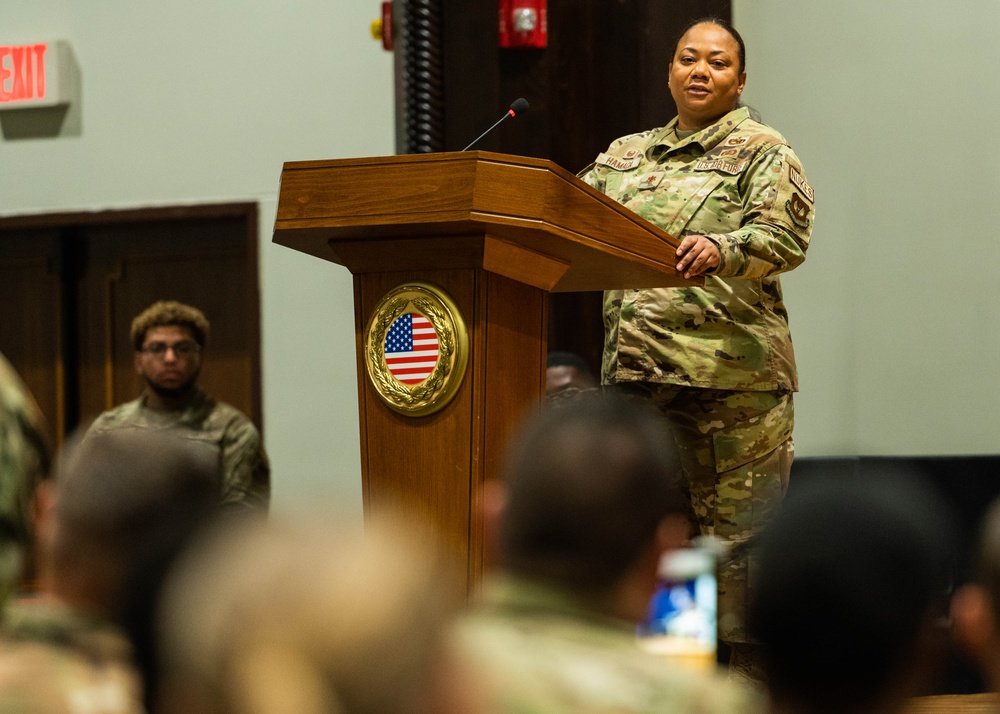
point(32, 296)
point(70, 285)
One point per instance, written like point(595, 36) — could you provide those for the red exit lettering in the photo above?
point(22, 72)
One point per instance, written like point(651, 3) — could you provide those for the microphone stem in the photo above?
point(508, 114)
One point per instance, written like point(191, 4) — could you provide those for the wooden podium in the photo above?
point(496, 233)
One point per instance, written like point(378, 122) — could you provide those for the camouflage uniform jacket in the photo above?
point(539, 652)
point(740, 184)
point(24, 460)
point(53, 659)
point(243, 466)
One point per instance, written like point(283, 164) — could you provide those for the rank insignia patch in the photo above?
point(650, 180)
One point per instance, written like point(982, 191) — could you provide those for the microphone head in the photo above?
point(520, 106)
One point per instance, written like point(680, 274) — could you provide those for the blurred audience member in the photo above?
point(565, 371)
point(850, 595)
point(976, 606)
point(591, 504)
point(24, 462)
point(125, 504)
point(313, 619)
point(169, 338)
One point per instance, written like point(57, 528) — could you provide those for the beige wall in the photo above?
point(195, 101)
point(896, 312)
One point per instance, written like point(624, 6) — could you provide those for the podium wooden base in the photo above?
point(434, 464)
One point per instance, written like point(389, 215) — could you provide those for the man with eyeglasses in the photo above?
point(169, 338)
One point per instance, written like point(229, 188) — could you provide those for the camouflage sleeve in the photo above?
point(590, 176)
point(246, 474)
point(24, 454)
point(777, 219)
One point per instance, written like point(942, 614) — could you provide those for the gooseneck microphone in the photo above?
point(520, 106)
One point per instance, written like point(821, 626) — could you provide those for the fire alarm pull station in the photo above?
point(524, 23)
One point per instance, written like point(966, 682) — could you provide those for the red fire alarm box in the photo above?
point(524, 23)
point(387, 29)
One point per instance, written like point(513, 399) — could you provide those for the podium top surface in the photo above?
point(525, 218)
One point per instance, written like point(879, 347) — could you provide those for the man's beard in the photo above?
point(173, 392)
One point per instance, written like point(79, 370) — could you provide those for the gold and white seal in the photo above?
point(416, 349)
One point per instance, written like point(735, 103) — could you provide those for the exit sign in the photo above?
point(35, 74)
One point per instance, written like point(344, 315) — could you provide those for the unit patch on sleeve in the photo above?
point(798, 209)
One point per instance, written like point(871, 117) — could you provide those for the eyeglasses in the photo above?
point(180, 349)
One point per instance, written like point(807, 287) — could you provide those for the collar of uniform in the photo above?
point(665, 142)
point(52, 622)
point(187, 413)
point(518, 595)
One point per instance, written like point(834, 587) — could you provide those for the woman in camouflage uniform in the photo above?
point(717, 359)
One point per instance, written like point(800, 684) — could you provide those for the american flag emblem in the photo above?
point(411, 348)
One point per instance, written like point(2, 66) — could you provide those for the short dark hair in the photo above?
point(566, 359)
point(167, 313)
point(725, 26)
point(120, 491)
point(846, 577)
point(588, 487)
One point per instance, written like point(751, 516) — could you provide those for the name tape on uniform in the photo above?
point(726, 167)
point(629, 160)
point(803, 185)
